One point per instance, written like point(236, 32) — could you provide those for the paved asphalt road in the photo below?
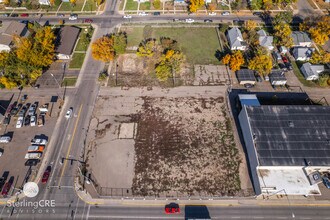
point(67, 141)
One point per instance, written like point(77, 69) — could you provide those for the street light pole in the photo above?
point(287, 197)
point(57, 84)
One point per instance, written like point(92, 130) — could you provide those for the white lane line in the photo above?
point(87, 215)
point(75, 212)
point(82, 215)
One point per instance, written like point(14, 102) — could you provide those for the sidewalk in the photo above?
point(275, 201)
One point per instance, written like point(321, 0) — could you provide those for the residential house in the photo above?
point(302, 53)
point(311, 72)
point(44, 2)
point(283, 50)
point(235, 39)
point(245, 76)
point(265, 40)
point(301, 39)
point(277, 78)
point(15, 28)
point(66, 41)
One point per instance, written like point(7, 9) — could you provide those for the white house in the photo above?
point(15, 28)
point(301, 39)
point(265, 40)
point(66, 42)
point(44, 2)
point(235, 39)
point(302, 53)
point(311, 72)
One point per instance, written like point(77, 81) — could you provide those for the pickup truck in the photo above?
point(36, 148)
point(33, 156)
point(40, 120)
point(39, 141)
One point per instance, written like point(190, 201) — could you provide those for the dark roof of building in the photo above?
point(291, 135)
point(277, 75)
point(67, 39)
point(245, 75)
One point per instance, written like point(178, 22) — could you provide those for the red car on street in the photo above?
point(7, 186)
point(172, 208)
point(25, 15)
point(46, 175)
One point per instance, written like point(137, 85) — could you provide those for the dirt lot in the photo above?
point(12, 159)
point(165, 142)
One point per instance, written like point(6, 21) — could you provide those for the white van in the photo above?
point(5, 139)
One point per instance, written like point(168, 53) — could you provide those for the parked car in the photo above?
point(189, 20)
point(14, 15)
point(25, 15)
point(73, 17)
point(32, 162)
point(3, 179)
point(282, 66)
point(46, 174)
point(7, 186)
point(40, 120)
point(68, 113)
point(143, 13)
point(277, 55)
point(33, 121)
point(27, 120)
point(19, 122)
point(157, 13)
point(127, 16)
point(10, 107)
point(285, 60)
point(208, 21)
point(23, 98)
point(6, 120)
point(258, 78)
point(248, 85)
point(225, 13)
point(5, 15)
point(61, 15)
point(39, 141)
point(176, 20)
point(32, 109)
point(288, 65)
point(5, 139)
point(1, 152)
point(88, 20)
point(266, 78)
point(257, 13)
point(212, 13)
point(326, 182)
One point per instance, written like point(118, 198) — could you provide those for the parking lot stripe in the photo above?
point(69, 149)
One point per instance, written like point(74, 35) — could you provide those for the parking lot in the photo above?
point(13, 160)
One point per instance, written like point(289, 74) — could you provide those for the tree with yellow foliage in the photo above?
point(147, 48)
point(73, 2)
point(318, 28)
point(195, 5)
point(236, 61)
point(321, 57)
point(211, 7)
point(262, 64)
point(169, 65)
point(283, 34)
point(102, 49)
point(250, 25)
point(226, 59)
point(7, 82)
point(267, 4)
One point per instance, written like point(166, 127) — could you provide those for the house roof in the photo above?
point(291, 135)
point(277, 75)
point(67, 39)
point(264, 40)
point(300, 37)
point(235, 37)
point(311, 70)
point(14, 28)
point(302, 52)
point(245, 75)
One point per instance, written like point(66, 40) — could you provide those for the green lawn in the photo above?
point(198, 44)
point(131, 5)
point(52, 8)
point(77, 60)
point(80, 45)
point(90, 6)
point(69, 81)
point(145, 6)
point(66, 6)
point(134, 35)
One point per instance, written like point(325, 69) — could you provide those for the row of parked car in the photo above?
point(282, 61)
point(36, 148)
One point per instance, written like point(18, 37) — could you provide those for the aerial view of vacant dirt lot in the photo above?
point(165, 142)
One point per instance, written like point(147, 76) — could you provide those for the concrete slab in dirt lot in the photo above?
point(12, 159)
point(127, 131)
